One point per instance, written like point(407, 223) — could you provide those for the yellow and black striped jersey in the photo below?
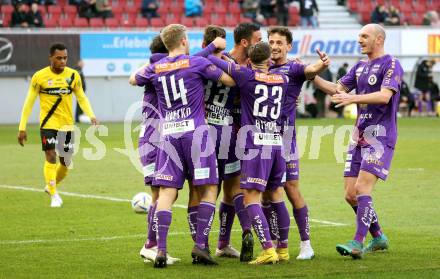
point(50, 86)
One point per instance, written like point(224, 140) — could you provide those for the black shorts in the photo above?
point(62, 141)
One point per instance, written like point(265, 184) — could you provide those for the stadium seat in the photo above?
point(51, 23)
point(187, 21)
point(127, 22)
point(234, 8)
point(7, 9)
point(203, 22)
point(6, 18)
point(230, 21)
point(271, 21)
point(419, 7)
point(96, 22)
point(157, 22)
point(54, 11)
point(65, 22)
point(293, 20)
point(217, 20)
point(141, 22)
point(80, 22)
point(163, 9)
point(111, 22)
point(132, 11)
point(70, 10)
point(220, 9)
point(177, 10)
point(293, 10)
point(404, 7)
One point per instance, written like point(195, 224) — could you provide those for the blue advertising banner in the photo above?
point(118, 54)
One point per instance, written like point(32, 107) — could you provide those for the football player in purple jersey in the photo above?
point(263, 166)
point(280, 40)
point(376, 82)
point(179, 81)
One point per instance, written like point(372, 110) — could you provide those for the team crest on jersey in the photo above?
point(212, 67)
point(372, 79)
point(68, 80)
point(49, 82)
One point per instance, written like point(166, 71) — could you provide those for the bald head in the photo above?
point(375, 30)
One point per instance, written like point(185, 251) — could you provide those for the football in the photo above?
point(141, 202)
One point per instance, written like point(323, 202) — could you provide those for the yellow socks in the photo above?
point(50, 175)
point(61, 172)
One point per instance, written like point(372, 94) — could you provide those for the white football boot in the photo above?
point(149, 255)
point(228, 252)
point(306, 251)
point(55, 199)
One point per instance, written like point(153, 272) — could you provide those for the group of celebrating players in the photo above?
point(239, 106)
point(226, 120)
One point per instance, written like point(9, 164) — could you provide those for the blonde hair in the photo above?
point(172, 35)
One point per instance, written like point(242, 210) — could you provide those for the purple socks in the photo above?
point(364, 217)
point(163, 224)
point(205, 217)
point(302, 221)
point(260, 225)
point(151, 227)
point(242, 213)
point(271, 218)
point(375, 229)
point(283, 221)
point(226, 214)
point(192, 221)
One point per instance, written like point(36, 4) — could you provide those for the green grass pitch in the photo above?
point(91, 238)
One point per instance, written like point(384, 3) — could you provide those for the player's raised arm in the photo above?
point(132, 80)
point(381, 97)
point(226, 79)
point(314, 69)
point(218, 44)
point(27, 109)
point(83, 101)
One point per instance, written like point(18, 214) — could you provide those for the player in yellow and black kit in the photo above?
point(55, 85)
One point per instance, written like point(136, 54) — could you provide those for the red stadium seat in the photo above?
point(231, 21)
point(127, 22)
point(70, 10)
point(54, 10)
point(294, 20)
point(177, 10)
point(80, 22)
point(209, 7)
point(405, 8)
point(218, 20)
point(187, 21)
point(65, 22)
point(419, 8)
point(365, 17)
point(132, 11)
point(202, 22)
point(51, 23)
point(111, 22)
point(7, 9)
point(96, 22)
point(271, 21)
point(220, 9)
point(163, 9)
point(234, 8)
point(417, 19)
point(157, 22)
point(141, 22)
point(293, 10)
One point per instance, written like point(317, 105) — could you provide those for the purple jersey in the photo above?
point(179, 83)
point(378, 121)
point(297, 77)
point(262, 96)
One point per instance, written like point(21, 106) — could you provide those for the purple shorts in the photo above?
point(227, 161)
point(175, 163)
point(292, 163)
point(263, 174)
point(367, 159)
point(147, 154)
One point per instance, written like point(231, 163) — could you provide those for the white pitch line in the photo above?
point(87, 196)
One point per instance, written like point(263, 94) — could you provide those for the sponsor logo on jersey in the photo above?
point(178, 127)
point(232, 167)
point(269, 78)
point(166, 177)
point(268, 139)
point(201, 173)
point(167, 67)
point(256, 180)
